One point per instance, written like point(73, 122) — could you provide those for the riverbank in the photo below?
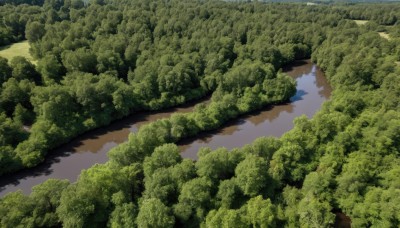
point(67, 161)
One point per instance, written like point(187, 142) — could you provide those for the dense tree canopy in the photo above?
point(103, 60)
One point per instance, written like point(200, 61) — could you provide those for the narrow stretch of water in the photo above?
point(312, 90)
point(69, 160)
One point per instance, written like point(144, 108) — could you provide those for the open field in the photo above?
point(384, 35)
point(17, 49)
point(360, 22)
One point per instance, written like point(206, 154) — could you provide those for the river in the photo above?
point(67, 161)
point(312, 90)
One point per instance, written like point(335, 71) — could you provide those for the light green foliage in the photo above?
point(163, 157)
point(225, 218)
point(161, 185)
point(380, 208)
point(252, 176)
point(124, 214)
point(89, 201)
point(215, 165)
point(193, 200)
point(153, 213)
point(16, 49)
point(291, 198)
point(261, 213)
point(314, 212)
point(183, 172)
point(82, 203)
point(320, 184)
point(47, 198)
point(16, 210)
point(284, 163)
point(229, 193)
point(263, 147)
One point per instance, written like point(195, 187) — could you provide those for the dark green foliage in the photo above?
point(5, 70)
point(47, 198)
point(23, 69)
point(107, 59)
point(34, 31)
point(51, 69)
point(14, 20)
point(11, 132)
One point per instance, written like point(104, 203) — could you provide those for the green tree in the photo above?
point(46, 197)
point(315, 213)
point(23, 69)
point(16, 210)
point(252, 176)
point(124, 214)
point(229, 193)
point(34, 31)
point(261, 213)
point(51, 69)
point(162, 186)
point(193, 200)
point(163, 156)
point(16, 92)
point(5, 70)
point(225, 218)
point(215, 165)
point(81, 59)
point(153, 213)
point(88, 202)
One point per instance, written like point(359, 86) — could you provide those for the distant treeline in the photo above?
point(18, 2)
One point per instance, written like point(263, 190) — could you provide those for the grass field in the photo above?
point(17, 49)
point(360, 22)
point(384, 35)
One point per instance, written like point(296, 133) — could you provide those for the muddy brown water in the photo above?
point(312, 90)
point(69, 160)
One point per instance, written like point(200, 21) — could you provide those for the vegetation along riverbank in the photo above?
point(99, 61)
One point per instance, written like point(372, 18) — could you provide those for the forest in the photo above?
point(102, 60)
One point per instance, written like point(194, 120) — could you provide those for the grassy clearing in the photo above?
point(398, 63)
point(384, 35)
point(17, 49)
point(360, 22)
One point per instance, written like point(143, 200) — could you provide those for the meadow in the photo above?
point(17, 49)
